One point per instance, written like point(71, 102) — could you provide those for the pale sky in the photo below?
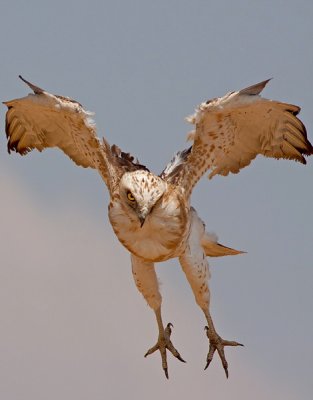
point(73, 325)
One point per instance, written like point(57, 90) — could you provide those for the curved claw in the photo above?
point(168, 329)
point(209, 357)
point(217, 343)
point(151, 350)
point(180, 358)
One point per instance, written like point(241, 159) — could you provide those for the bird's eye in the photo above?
point(130, 196)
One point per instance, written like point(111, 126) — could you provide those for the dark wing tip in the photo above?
point(126, 160)
point(308, 151)
point(302, 144)
point(36, 89)
point(255, 89)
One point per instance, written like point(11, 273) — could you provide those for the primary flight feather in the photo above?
point(151, 214)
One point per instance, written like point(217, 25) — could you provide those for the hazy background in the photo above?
point(73, 325)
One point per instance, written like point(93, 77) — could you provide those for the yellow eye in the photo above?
point(130, 196)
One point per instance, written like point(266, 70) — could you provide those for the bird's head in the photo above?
point(141, 190)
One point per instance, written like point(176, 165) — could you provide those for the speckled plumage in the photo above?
point(151, 215)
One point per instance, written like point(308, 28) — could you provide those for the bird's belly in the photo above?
point(157, 242)
point(160, 238)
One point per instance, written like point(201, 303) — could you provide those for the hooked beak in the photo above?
point(142, 216)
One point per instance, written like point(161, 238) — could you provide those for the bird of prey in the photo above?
point(151, 214)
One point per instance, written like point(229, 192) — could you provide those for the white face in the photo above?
point(140, 190)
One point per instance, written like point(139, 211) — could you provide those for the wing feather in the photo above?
point(42, 120)
point(232, 130)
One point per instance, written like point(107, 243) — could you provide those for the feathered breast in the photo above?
point(163, 232)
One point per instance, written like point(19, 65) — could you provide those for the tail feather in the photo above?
point(214, 249)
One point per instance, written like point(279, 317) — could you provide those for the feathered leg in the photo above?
point(196, 268)
point(147, 284)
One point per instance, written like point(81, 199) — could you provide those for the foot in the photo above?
point(162, 344)
point(217, 343)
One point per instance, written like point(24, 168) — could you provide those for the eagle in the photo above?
point(151, 214)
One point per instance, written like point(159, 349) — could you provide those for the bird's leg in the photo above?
point(164, 343)
point(195, 265)
point(147, 283)
point(197, 275)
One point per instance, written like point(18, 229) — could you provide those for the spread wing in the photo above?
point(43, 120)
point(232, 130)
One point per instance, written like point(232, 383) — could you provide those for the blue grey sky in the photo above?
point(72, 323)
